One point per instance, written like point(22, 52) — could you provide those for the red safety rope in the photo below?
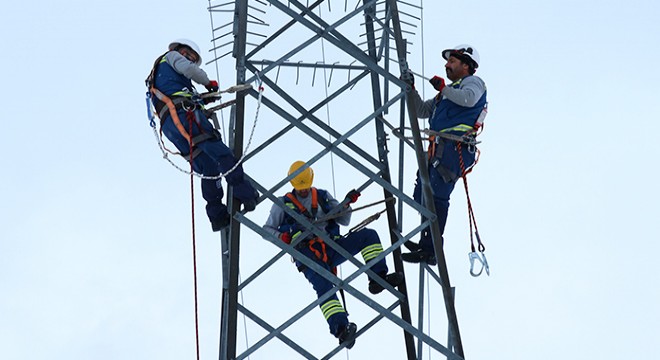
point(190, 116)
point(473, 221)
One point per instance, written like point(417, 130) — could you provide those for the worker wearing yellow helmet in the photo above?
point(316, 204)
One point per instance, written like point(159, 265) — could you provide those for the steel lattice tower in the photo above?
point(364, 37)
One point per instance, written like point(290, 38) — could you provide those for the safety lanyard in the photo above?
point(474, 231)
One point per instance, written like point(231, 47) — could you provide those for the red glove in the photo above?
point(212, 86)
point(352, 196)
point(286, 237)
point(437, 82)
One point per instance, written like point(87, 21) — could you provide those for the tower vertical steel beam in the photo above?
point(382, 151)
point(230, 290)
point(426, 187)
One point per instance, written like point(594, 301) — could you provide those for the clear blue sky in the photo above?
point(95, 249)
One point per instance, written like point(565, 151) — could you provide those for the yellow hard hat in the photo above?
point(304, 179)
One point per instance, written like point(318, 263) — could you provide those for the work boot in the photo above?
point(394, 279)
point(250, 205)
point(347, 335)
point(419, 256)
point(220, 223)
point(411, 245)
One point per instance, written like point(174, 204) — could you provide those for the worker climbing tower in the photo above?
point(333, 77)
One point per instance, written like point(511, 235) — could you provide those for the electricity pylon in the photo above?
point(361, 40)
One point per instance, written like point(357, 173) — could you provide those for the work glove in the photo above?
point(408, 78)
point(286, 237)
point(438, 83)
point(210, 99)
point(352, 196)
point(212, 86)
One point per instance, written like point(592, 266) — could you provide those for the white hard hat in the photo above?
point(189, 43)
point(463, 50)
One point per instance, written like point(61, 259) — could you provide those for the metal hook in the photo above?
point(298, 71)
point(150, 113)
point(188, 107)
point(332, 69)
point(259, 81)
point(482, 260)
point(349, 74)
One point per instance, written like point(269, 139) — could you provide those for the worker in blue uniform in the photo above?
point(185, 124)
point(316, 204)
point(456, 112)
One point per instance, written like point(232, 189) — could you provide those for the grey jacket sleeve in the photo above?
point(468, 93)
point(424, 108)
point(187, 68)
point(275, 219)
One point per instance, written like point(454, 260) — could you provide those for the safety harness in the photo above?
point(182, 100)
point(437, 141)
point(316, 245)
point(303, 210)
point(319, 251)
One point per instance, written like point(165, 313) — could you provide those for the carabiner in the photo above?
point(150, 114)
point(482, 260)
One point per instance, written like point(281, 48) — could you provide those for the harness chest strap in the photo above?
point(301, 207)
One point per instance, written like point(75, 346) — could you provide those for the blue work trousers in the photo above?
point(442, 187)
point(352, 243)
